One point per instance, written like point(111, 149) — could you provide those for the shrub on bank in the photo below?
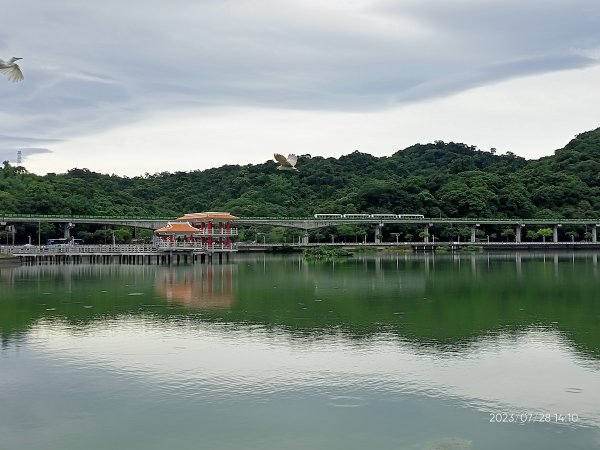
point(320, 253)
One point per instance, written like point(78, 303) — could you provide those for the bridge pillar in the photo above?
point(473, 233)
point(305, 238)
point(518, 233)
point(378, 234)
point(67, 230)
point(426, 234)
point(13, 231)
point(594, 233)
point(555, 233)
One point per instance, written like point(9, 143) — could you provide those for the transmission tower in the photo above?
point(19, 157)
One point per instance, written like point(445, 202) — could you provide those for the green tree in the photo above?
point(507, 233)
point(462, 233)
point(435, 179)
point(123, 235)
point(532, 235)
point(544, 233)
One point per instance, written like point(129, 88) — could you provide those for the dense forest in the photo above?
point(437, 179)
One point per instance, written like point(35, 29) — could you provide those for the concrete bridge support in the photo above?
point(13, 232)
point(378, 234)
point(426, 234)
point(595, 233)
point(473, 233)
point(555, 233)
point(67, 230)
point(305, 238)
point(518, 233)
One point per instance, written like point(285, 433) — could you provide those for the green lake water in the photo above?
point(271, 352)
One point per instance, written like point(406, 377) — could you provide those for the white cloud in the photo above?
point(99, 74)
point(529, 116)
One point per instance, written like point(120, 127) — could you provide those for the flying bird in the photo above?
point(11, 69)
point(288, 163)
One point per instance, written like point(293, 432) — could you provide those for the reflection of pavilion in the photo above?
point(207, 286)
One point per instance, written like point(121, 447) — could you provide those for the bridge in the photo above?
point(310, 223)
point(159, 253)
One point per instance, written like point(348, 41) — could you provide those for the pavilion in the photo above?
point(215, 230)
point(176, 232)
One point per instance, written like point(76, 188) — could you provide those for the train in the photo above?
point(369, 216)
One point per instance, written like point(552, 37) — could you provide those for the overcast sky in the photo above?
point(137, 86)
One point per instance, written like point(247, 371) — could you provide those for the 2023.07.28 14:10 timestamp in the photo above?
point(506, 417)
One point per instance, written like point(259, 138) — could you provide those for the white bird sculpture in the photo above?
point(288, 163)
point(11, 69)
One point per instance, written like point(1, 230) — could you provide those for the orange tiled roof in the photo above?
point(177, 227)
point(208, 215)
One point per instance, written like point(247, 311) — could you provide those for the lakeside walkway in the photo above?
point(174, 253)
point(190, 253)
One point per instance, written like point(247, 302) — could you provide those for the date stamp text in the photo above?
point(533, 417)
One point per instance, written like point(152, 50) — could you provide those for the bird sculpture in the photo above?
point(288, 163)
point(11, 69)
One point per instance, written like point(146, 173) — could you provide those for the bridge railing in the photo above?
point(419, 244)
point(195, 246)
point(80, 217)
point(121, 248)
point(54, 249)
point(83, 217)
point(217, 232)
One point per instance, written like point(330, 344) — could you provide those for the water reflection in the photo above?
point(447, 301)
point(418, 348)
point(532, 371)
point(203, 287)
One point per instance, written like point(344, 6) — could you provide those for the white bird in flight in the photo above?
point(288, 163)
point(11, 69)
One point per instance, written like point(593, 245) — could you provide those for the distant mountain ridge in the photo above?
point(435, 179)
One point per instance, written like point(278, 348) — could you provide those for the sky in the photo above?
point(147, 86)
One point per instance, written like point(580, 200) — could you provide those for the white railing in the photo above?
point(53, 249)
point(194, 246)
point(217, 232)
point(123, 249)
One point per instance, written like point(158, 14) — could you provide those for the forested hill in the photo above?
point(447, 179)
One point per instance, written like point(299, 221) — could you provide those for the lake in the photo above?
point(393, 351)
